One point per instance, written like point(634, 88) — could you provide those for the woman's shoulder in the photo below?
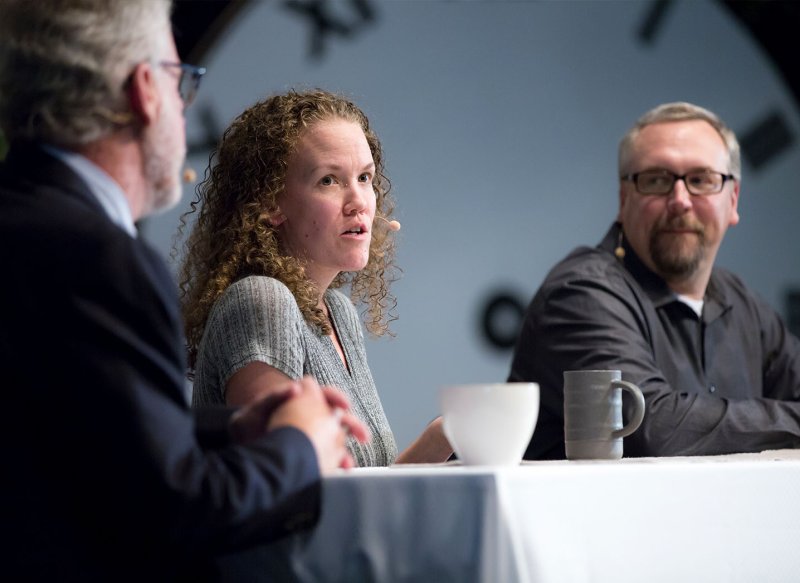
point(257, 293)
point(259, 284)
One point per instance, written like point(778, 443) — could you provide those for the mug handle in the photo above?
point(638, 414)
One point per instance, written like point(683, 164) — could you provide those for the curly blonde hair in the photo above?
point(232, 237)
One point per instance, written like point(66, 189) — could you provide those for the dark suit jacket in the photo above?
point(107, 474)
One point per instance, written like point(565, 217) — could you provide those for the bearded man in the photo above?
point(719, 370)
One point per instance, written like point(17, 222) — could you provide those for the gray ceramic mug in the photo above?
point(593, 413)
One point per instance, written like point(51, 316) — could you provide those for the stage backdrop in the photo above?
point(500, 123)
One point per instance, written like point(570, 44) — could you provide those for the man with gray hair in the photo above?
point(719, 370)
point(109, 477)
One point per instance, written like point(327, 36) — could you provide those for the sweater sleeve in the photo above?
point(255, 320)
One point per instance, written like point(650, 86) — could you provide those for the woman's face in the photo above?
point(326, 211)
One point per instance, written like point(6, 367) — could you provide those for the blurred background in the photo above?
point(500, 123)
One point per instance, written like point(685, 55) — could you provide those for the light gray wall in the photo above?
point(500, 122)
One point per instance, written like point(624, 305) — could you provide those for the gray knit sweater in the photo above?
point(257, 319)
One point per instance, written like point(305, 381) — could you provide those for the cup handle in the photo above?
point(638, 414)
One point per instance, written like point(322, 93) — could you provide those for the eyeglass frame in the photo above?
point(634, 178)
point(189, 80)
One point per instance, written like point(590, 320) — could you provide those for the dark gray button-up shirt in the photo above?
point(728, 381)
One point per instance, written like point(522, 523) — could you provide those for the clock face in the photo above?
point(500, 123)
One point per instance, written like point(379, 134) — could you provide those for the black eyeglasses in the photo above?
point(661, 182)
point(189, 81)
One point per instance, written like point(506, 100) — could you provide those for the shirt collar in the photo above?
point(715, 302)
point(104, 188)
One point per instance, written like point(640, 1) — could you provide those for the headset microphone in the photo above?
point(391, 225)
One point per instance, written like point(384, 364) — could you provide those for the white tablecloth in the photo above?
point(706, 519)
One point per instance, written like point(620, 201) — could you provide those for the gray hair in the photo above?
point(680, 111)
point(64, 64)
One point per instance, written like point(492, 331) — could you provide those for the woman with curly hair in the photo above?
point(286, 217)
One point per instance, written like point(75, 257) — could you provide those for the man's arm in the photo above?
point(120, 441)
point(592, 323)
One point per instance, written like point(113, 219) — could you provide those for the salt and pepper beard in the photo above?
point(164, 150)
point(672, 262)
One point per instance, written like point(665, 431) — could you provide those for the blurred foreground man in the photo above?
point(719, 370)
point(108, 477)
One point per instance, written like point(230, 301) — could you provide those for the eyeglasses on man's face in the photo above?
point(189, 81)
point(661, 182)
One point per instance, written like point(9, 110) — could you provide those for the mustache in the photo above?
point(682, 224)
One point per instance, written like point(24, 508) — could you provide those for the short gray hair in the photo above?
point(64, 64)
point(680, 111)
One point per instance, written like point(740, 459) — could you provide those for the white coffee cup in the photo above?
point(490, 424)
